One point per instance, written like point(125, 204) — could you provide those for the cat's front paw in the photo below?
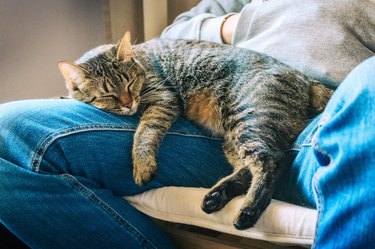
point(144, 170)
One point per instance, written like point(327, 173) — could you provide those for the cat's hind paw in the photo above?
point(247, 218)
point(214, 200)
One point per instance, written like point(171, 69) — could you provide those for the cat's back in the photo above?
point(205, 61)
point(197, 50)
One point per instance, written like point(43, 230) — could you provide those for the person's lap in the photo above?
point(50, 147)
point(66, 156)
point(68, 159)
point(69, 137)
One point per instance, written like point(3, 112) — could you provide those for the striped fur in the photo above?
point(256, 103)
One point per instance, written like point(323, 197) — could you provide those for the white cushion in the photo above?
point(281, 222)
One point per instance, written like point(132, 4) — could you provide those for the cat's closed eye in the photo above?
point(110, 96)
point(128, 88)
point(106, 103)
point(111, 101)
point(91, 100)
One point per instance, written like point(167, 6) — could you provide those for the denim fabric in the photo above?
point(295, 186)
point(344, 147)
point(65, 166)
point(333, 165)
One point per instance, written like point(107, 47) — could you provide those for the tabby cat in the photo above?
point(257, 104)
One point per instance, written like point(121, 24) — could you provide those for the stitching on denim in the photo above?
point(186, 134)
point(43, 146)
point(319, 201)
point(298, 147)
point(106, 208)
point(317, 190)
point(307, 141)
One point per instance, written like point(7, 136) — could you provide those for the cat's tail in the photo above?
point(320, 95)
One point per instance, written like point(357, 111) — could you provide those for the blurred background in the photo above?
point(36, 34)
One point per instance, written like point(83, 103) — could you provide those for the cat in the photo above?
point(256, 103)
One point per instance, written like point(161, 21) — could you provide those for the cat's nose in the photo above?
point(126, 102)
point(128, 105)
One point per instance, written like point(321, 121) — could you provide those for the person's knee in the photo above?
point(16, 131)
point(9, 113)
point(14, 118)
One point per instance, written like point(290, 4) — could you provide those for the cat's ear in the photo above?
point(124, 52)
point(73, 74)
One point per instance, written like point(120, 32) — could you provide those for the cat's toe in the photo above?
point(143, 178)
point(144, 173)
point(246, 218)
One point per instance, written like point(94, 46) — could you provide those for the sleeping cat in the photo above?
point(257, 104)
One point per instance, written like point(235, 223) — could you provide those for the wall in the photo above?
point(121, 16)
point(35, 35)
point(175, 7)
point(145, 19)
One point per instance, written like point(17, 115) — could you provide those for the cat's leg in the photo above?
point(251, 146)
point(320, 95)
point(231, 186)
point(154, 123)
point(259, 195)
point(226, 189)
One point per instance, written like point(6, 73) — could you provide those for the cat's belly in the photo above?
point(203, 109)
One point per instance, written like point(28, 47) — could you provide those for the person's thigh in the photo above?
point(66, 166)
point(66, 136)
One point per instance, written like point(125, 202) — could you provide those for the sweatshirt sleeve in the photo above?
point(203, 22)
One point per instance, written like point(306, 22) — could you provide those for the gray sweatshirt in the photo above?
point(324, 39)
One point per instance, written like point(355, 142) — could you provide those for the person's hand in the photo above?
point(227, 29)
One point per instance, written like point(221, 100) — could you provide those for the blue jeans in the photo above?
point(333, 165)
point(65, 166)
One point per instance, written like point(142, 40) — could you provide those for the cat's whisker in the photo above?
point(153, 90)
point(159, 85)
point(156, 87)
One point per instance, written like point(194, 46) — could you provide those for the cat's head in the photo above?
point(107, 77)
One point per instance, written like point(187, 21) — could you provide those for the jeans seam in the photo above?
point(319, 202)
point(106, 208)
point(299, 147)
point(307, 141)
point(43, 146)
point(48, 140)
point(318, 193)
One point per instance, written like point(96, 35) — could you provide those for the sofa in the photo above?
point(177, 210)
